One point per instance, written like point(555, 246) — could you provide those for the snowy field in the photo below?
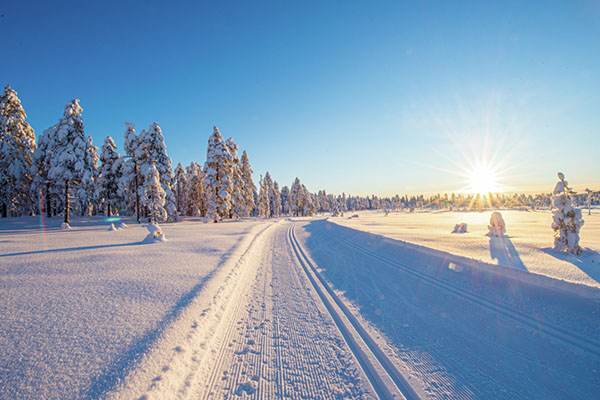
point(527, 245)
point(296, 308)
point(79, 307)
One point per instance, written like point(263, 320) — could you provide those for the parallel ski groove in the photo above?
point(385, 362)
point(557, 333)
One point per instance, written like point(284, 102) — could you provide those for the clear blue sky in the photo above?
point(363, 97)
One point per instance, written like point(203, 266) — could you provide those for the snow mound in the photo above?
point(497, 227)
point(112, 227)
point(156, 234)
point(460, 228)
point(65, 226)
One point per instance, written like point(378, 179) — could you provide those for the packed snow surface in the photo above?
point(526, 245)
point(79, 307)
point(295, 308)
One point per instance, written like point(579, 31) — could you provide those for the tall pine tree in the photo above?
point(238, 207)
point(109, 175)
point(195, 189)
point(17, 144)
point(71, 164)
point(181, 193)
point(218, 181)
point(249, 187)
point(152, 150)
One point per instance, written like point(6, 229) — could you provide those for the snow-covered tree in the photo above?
point(181, 189)
point(567, 220)
point(285, 200)
point(42, 187)
point(249, 187)
point(131, 186)
point(238, 206)
point(152, 150)
point(154, 194)
point(17, 144)
point(268, 185)
point(323, 204)
point(276, 201)
point(296, 199)
point(72, 162)
point(86, 191)
point(109, 175)
point(264, 209)
point(217, 178)
point(195, 191)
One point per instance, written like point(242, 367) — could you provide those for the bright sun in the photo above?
point(483, 180)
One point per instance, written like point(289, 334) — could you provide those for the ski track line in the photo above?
point(560, 334)
point(376, 365)
point(172, 367)
point(283, 344)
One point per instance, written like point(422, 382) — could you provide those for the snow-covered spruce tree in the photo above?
point(152, 150)
point(41, 188)
point(323, 204)
point(249, 187)
point(276, 202)
point(86, 191)
point(217, 178)
point(154, 194)
point(17, 144)
point(238, 206)
point(268, 185)
point(131, 186)
point(196, 197)
point(296, 198)
point(70, 164)
point(181, 189)
point(567, 220)
point(285, 200)
point(264, 210)
point(109, 175)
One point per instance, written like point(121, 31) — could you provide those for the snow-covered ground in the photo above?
point(292, 308)
point(527, 245)
point(79, 307)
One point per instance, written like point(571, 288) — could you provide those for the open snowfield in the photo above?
point(78, 307)
point(293, 308)
point(527, 245)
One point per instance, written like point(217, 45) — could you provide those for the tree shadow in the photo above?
point(502, 249)
point(588, 261)
point(109, 379)
point(68, 249)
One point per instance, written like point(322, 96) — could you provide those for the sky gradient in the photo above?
point(357, 97)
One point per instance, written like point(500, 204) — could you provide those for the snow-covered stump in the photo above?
point(460, 228)
point(497, 227)
point(566, 220)
point(155, 234)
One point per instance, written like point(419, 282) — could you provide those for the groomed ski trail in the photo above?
point(258, 331)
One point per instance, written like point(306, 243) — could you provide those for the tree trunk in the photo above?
point(4, 211)
point(67, 201)
point(108, 210)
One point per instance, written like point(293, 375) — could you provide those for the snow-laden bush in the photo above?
point(567, 220)
point(497, 227)
point(155, 234)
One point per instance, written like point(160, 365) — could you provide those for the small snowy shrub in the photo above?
point(497, 227)
point(155, 234)
point(566, 220)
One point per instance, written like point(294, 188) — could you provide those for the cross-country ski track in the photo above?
point(286, 318)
